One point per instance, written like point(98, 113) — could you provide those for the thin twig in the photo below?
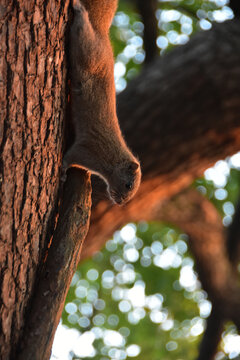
point(147, 11)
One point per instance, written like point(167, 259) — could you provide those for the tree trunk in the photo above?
point(33, 101)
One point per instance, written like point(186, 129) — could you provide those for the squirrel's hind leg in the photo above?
point(83, 42)
point(81, 25)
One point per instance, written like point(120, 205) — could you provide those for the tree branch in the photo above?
point(211, 336)
point(62, 259)
point(235, 6)
point(180, 116)
point(147, 11)
point(233, 237)
point(198, 218)
point(207, 239)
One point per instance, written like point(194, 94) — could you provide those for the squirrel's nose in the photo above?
point(133, 166)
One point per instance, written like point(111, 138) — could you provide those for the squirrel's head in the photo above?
point(124, 181)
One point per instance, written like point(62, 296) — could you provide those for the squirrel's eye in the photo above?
point(129, 186)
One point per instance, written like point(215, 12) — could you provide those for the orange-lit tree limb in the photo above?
point(180, 115)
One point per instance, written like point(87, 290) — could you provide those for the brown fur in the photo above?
point(99, 145)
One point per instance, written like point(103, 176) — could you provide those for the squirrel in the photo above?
point(99, 145)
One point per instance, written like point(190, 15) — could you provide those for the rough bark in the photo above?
point(180, 116)
point(33, 97)
point(61, 263)
point(32, 93)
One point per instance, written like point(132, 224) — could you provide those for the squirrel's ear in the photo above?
point(133, 166)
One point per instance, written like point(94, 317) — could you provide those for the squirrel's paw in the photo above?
point(63, 177)
point(64, 172)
